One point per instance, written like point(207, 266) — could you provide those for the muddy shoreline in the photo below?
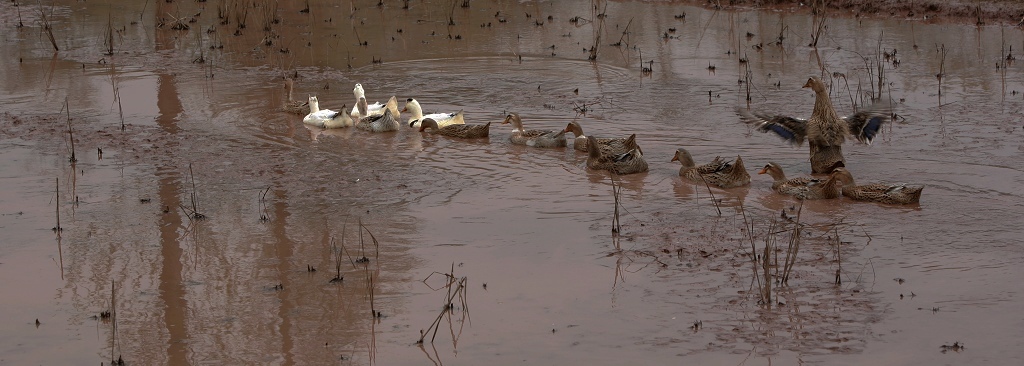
point(956, 11)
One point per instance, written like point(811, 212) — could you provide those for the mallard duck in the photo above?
point(380, 123)
point(290, 104)
point(719, 172)
point(534, 138)
point(442, 119)
point(805, 188)
point(606, 145)
point(879, 192)
point(462, 131)
point(628, 162)
point(326, 118)
point(825, 131)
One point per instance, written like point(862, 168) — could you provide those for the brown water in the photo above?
point(529, 229)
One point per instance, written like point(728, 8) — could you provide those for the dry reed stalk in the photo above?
point(839, 257)
point(713, 200)
point(337, 256)
point(71, 133)
point(48, 28)
point(942, 51)
point(794, 246)
point(748, 226)
point(109, 41)
point(616, 193)
point(57, 229)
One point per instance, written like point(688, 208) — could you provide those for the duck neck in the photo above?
point(686, 159)
point(416, 111)
point(823, 108)
point(577, 130)
point(592, 149)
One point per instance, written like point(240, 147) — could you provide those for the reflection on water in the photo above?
point(533, 224)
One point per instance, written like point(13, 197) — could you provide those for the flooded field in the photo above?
point(175, 110)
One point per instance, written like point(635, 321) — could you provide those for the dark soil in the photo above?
point(961, 11)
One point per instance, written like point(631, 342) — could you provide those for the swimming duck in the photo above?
point(606, 145)
point(462, 131)
point(326, 118)
point(825, 131)
point(442, 119)
point(534, 138)
point(805, 188)
point(898, 193)
point(363, 109)
point(629, 162)
point(379, 123)
point(719, 172)
point(290, 104)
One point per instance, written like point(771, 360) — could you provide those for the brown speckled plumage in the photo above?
point(897, 194)
point(805, 188)
point(719, 172)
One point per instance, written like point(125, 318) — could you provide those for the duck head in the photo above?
point(428, 123)
point(773, 170)
point(358, 91)
point(575, 128)
point(843, 176)
point(514, 119)
point(815, 84)
point(684, 157)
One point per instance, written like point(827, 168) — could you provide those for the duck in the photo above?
point(898, 193)
point(825, 131)
point(290, 104)
point(462, 131)
point(629, 162)
point(606, 145)
point(380, 123)
point(805, 188)
point(326, 118)
point(533, 138)
point(442, 119)
point(363, 109)
point(719, 172)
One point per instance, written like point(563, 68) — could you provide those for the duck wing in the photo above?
point(864, 125)
point(791, 129)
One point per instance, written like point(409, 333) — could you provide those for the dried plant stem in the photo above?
point(713, 200)
point(616, 193)
point(794, 246)
point(48, 28)
point(71, 134)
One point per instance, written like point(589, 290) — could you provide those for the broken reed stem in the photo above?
point(748, 226)
point(942, 65)
point(194, 197)
point(881, 68)
point(597, 42)
point(120, 111)
point(625, 32)
point(460, 289)
point(49, 30)
point(713, 200)
point(616, 192)
point(794, 246)
point(113, 322)
point(57, 229)
point(839, 257)
point(336, 255)
point(71, 134)
point(110, 36)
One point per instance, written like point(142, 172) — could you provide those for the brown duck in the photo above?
point(534, 138)
point(625, 163)
point(719, 172)
point(462, 131)
point(825, 131)
point(899, 193)
point(606, 145)
point(805, 188)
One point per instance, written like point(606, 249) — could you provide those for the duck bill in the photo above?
point(762, 171)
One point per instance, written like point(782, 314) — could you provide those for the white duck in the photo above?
point(326, 118)
point(442, 119)
point(362, 109)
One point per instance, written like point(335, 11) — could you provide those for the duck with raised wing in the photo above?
point(443, 119)
point(825, 131)
point(606, 145)
point(326, 118)
point(533, 138)
point(290, 104)
point(805, 188)
point(462, 131)
point(629, 162)
point(898, 193)
point(719, 172)
point(379, 123)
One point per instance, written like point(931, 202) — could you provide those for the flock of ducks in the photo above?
point(825, 131)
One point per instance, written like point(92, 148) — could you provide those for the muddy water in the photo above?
point(529, 229)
